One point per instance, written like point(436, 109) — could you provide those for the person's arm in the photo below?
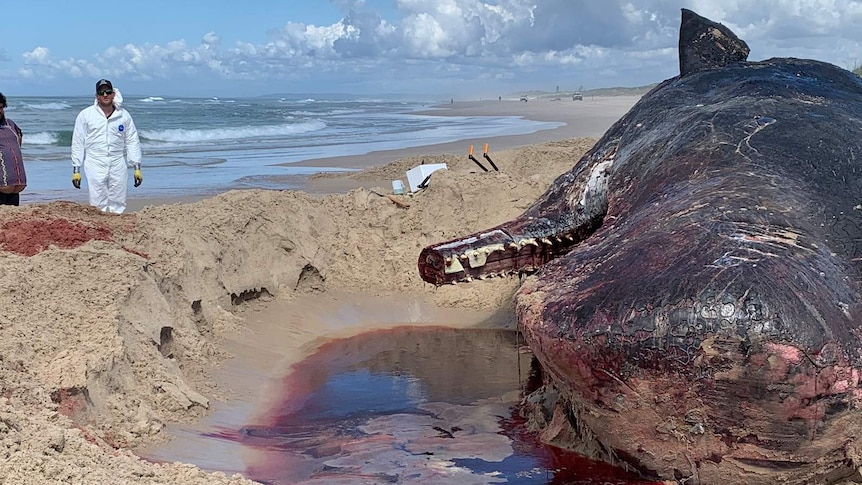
point(133, 150)
point(18, 133)
point(133, 144)
point(79, 135)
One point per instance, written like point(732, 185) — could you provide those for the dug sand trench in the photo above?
point(113, 325)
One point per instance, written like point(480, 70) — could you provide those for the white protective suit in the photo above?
point(107, 147)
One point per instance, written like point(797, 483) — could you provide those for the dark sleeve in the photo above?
point(17, 132)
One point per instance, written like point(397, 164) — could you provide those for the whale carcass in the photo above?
point(694, 291)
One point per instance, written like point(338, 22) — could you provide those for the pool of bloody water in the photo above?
point(408, 405)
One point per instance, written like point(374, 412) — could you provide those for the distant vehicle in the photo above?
point(577, 96)
point(524, 98)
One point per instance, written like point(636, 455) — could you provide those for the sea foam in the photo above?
point(41, 138)
point(48, 106)
point(180, 135)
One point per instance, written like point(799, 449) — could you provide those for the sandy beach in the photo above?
point(122, 333)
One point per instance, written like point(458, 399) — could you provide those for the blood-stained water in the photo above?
point(409, 405)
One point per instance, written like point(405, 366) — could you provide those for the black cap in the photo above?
point(104, 84)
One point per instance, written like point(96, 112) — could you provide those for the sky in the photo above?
point(444, 48)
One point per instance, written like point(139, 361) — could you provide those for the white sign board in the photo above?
point(418, 174)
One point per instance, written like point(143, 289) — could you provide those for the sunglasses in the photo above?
point(105, 93)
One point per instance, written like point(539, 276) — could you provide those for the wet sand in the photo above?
point(346, 388)
point(278, 336)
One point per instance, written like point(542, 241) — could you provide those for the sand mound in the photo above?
point(112, 323)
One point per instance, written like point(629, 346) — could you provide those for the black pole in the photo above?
point(424, 182)
point(491, 162)
point(471, 157)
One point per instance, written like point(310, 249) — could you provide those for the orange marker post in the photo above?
point(471, 157)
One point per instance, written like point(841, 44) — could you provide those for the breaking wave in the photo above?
point(48, 106)
point(179, 135)
point(61, 138)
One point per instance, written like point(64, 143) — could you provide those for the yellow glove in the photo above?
point(139, 177)
point(76, 178)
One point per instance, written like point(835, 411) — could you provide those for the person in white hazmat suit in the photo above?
point(105, 142)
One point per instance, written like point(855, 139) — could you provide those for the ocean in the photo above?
point(202, 146)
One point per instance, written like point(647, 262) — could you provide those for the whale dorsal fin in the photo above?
point(704, 44)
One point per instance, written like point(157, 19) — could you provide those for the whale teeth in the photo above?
point(514, 246)
point(478, 258)
point(546, 241)
point(453, 265)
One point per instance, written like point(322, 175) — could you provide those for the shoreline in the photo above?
point(582, 119)
point(588, 118)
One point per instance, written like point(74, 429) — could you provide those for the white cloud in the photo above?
point(613, 41)
point(39, 55)
point(425, 37)
point(210, 39)
point(323, 39)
